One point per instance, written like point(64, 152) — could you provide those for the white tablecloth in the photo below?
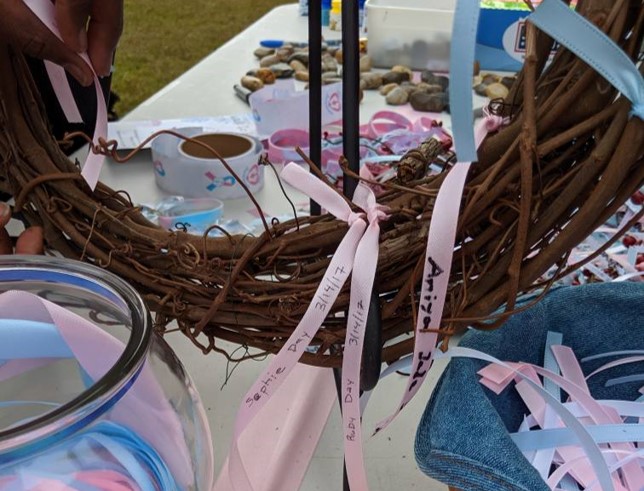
point(206, 90)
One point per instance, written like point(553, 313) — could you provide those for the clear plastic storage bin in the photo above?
point(415, 33)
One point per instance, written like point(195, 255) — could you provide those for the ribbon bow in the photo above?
point(358, 251)
point(364, 271)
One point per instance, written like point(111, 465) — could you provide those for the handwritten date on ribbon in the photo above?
point(333, 284)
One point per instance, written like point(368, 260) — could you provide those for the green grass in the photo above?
point(163, 38)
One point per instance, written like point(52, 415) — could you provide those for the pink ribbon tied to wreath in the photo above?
point(357, 252)
point(437, 266)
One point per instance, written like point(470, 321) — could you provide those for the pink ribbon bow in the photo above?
point(364, 271)
point(359, 247)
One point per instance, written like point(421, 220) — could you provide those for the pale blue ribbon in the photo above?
point(562, 24)
point(594, 47)
point(580, 430)
point(550, 362)
point(560, 437)
point(567, 483)
point(461, 65)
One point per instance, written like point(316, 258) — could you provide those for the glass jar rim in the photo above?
point(94, 401)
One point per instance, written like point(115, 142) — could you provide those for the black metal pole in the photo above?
point(350, 110)
point(315, 88)
point(350, 90)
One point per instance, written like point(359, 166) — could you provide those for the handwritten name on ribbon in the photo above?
point(436, 271)
point(364, 271)
point(357, 253)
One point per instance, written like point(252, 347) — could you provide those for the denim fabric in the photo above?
point(462, 439)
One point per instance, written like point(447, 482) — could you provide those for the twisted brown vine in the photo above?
point(569, 158)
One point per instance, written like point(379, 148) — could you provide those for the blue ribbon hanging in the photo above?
point(461, 66)
point(594, 47)
point(565, 26)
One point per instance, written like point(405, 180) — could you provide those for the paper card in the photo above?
point(130, 134)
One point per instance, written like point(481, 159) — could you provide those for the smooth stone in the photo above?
point(445, 96)
point(429, 88)
point(403, 69)
point(508, 81)
point(251, 83)
point(297, 65)
point(262, 52)
point(282, 70)
point(302, 75)
point(395, 77)
point(489, 78)
point(284, 53)
point(328, 75)
point(428, 77)
point(385, 89)
point(301, 56)
point(365, 63)
point(338, 55)
point(329, 64)
point(370, 81)
point(397, 97)
point(431, 103)
point(480, 89)
point(442, 81)
point(408, 87)
point(497, 91)
point(269, 60)
point(329, 81)
point(266, 75)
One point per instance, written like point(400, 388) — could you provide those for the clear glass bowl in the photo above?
point(90, 397)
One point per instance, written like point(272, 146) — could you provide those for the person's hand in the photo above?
point(94, 26)
point(29, 242)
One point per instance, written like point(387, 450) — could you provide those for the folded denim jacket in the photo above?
point(463, 437)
